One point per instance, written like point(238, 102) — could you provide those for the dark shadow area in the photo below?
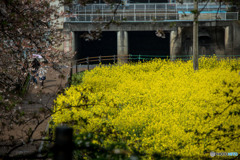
point(148, 44)
point(107, 45)
point(206, 46)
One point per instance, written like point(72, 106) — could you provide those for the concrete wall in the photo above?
point(166, 26)
point(211, 41)
point(236, 38)
point(202, 16)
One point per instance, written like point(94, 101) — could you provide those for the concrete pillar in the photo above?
point(122, 46)
point(69, 42)
point(228, 40)
point(73, 42)
point(175, 43)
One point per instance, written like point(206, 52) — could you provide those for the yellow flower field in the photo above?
point(159, 106)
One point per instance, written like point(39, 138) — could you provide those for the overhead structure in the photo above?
point(137, 16)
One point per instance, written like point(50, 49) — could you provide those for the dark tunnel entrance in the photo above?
point(107, 45)
point(144, 43)
point(147, 43)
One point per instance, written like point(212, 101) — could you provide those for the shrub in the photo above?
point(158, 108)
point(77, 78)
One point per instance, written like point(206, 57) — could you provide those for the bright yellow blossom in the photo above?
point(159, 106)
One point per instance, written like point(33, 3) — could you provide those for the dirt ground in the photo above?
point(36, 98)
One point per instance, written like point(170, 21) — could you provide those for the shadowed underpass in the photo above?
point(139, 43)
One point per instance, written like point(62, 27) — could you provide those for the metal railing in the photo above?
point(112, 59)
point(151, 17)
point(144, 7)
point(147, 12)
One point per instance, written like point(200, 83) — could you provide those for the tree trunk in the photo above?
point(195, 36)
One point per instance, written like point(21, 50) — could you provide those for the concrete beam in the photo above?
point(175, 43)
point(122, 46)
point(166, 26)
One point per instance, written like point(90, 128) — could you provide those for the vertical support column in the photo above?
point(69, 42)
point(69, 46)
point(228, 40)
point(122, 46)
point(73, 42)
point(175, 43)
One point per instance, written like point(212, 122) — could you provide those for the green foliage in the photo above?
point(1, 98)
point(77, 78)
point(25, 86)
point(194, 12)
point(91, 146)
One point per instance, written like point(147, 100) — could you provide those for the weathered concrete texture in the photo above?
point(236, 38)
point(122, 46)
point(73, 49)
point(202, 16)
point(166, 26)
point(175, 43)
point(211, 41)
point(228, 40)
point(68, 41)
